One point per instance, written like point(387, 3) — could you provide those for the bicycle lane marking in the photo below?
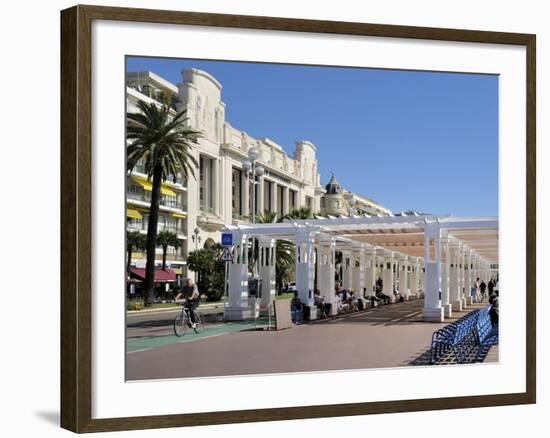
point(148, 343)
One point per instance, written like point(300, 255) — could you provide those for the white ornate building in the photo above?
point(337, 201)
point(221, 193)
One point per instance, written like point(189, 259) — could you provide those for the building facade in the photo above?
point(222, 190)
point(336, 201)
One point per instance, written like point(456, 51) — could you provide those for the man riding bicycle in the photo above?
point(190, 293)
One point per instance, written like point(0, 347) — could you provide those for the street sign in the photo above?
point(227, 239)
point(226, 255)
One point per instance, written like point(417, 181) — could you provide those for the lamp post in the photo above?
point(252, 167)
point(196, 238)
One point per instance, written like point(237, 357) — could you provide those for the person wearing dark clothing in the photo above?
point(482, 288)
point(493, 312)
point(297, 309)
point(491, 286)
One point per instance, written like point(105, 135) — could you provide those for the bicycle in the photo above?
point(183, 321)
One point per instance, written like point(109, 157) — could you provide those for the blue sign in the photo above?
point(227, 239)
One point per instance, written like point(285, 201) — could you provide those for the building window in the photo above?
point(236, 192)
point(267, 196)
point(292, 199)
point(280, 200)
point(309, 202)
point(134, 224)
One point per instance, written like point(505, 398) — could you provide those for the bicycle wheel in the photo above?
point(199, 319)
point(180, 324)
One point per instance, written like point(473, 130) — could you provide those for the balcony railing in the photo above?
point(146, 198)
point(160, 227)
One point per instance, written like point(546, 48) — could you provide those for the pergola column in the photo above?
point(325, 272)
point(388, 276)
point(237, 307)
point(348, 266)
point(445, 286)
point(357, 283)
point(267, 260)
point(305, 265)
point(404, 277)
point(370, 272)
point(468, 282)
point(432, 305)
point(455, 294)
point(421, 278)
point(461, 275)
point(413, 277)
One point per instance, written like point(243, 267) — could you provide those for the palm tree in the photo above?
point(164, 240)
point(134, 241)
point(163, 145)
point(300, 213)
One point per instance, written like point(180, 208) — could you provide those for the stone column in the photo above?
point(273, 196)
point(388, 277)
point(216, 187)
point(325, 272)
point(432, 310)
point(260, 201)
point(286, 199)
point(445, 287)
point(305, 269)
point(266, 251)
point(245, 190)
point(237, 307)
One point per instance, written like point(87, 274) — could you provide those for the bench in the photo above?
point(486, 334)
point(466, 340)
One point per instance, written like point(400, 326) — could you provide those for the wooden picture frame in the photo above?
point(76, 218)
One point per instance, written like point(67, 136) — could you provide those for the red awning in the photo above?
point(160, 276)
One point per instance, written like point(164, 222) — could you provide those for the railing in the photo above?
point(159, 228)
point(146, 198)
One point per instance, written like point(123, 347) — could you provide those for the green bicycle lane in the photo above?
point(148, 343)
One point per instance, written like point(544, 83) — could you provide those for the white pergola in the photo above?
point(439, 256)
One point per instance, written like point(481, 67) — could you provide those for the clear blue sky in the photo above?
point(410, 140)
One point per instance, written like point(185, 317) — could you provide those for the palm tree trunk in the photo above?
point(128, 263)
point(164, 248)
point(152, 237)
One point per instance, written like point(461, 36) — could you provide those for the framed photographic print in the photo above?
point(287, 214)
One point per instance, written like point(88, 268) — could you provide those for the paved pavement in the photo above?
point(389, 336)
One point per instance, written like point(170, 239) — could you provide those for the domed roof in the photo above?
point(333, 187)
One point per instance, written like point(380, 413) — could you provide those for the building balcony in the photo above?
point(145, 201)
point(181, 232)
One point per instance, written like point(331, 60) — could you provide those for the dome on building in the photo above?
point(333, 187)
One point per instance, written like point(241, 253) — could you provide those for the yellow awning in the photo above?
point(147, 185)
point(134, 214)
point(179, 215)
point(166, 191)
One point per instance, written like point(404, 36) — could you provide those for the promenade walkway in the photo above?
point(385, 337)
